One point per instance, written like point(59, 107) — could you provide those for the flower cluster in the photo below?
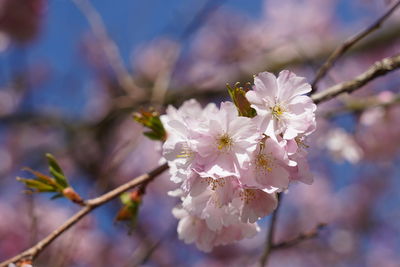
point(231, 167)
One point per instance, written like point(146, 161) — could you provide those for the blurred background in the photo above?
point(72, 72)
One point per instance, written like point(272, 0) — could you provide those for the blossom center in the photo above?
point(277, 111)
point(215, 183)
point(263, 163)
point(247, 195)
point(224, 142)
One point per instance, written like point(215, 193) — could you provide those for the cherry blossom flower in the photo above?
point(181, 125)
point(227, 143)
point(192, 229)
point(255, 204)
point(209, 207)
point(281, 105)
point(299, 169)
point(268, 168)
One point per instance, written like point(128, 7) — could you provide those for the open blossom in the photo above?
point(281, 105)
point(227, 143)
point(192, 229)
point(221, 201)
point(301, 170)
point(182, 126)
point(268, 168)
point(255, 204)
point(207, 208)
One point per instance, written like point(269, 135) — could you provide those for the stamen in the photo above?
point(264, 163)
point(224, 142)
point(277, 111)
point(214, 183)
point(247, 195)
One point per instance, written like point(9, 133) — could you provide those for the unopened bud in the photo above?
point(124, 214)
point(136, 196)
point(70, 193)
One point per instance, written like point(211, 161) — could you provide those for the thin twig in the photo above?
point(300, 238)
point(380, 68)
point(163, 80)
point(33, 252)
point(33, 216)
point(110, 49)
point(209, 7)
point(339, 51)
point(147, 253)
point(271, 233)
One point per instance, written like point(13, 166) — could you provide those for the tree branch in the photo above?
point(270, 235)
point(339, 51)
point(380, 68)
point(33, 252)
point(361, 105)
point(300, 238)
point(110, 49)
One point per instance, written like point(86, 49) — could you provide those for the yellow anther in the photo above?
point(264, 163)
point(224, 142)
point(214, 183)
point(277, 111)
point(247, 195)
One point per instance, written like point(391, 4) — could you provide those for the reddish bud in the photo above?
point(70, 193)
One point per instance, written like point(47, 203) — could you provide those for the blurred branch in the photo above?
point(269, 244)
point(339, 51)
point(111, 51)
point(143, 254)
point(163, 80)
point(380, 68)
point(362, 105)
point(271, 232)
point(300, 238)
point(276, 64)
point(209, 7)
point(147, 254)
point(33, 252)
point(31, 212)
